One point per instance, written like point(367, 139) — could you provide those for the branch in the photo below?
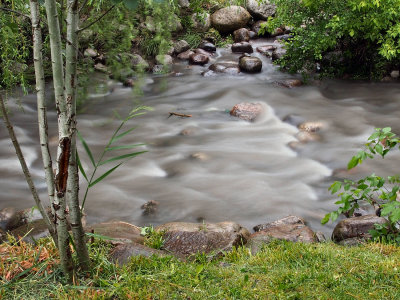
point(83, 6)
point(15, 12)
point(95, 21)
point(179, 115)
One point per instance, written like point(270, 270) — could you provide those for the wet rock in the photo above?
point(207, 46)
point(284, 37)
point(3, 236)
point(149, 24)
point(277, 31)
point(250, 64)
point(306, 137)
point(278, 53)
point(267, 50)
point(241, 35)
point(252, 34)
point(230, 18)
point(150, 207)
point(231, 68)
point(181, 46)
point(395, 74)
point(100, 68)
point(201, 22)
point(200, 156)
point(294, 120)
point(242, 47)
point(291, 83)
point(123, 253)
point(208, 73)
point(90, 52)
point(139, 62)
point(257, 26)
point(247, 111)
point(170, 51)
point(289, 220)
point(356, 227)
point(185, 55)
point(120, 232)
point(31, 231)
point(10, 218)
point(198, 59)
point(320, 237)
point(312, 126)
point(202, 51)
point(129, 82)
point(261, 10)
point(164, 59)
point(191, 238)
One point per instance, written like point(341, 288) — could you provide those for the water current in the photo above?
point(214, 167)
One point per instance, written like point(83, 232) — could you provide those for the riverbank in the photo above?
point(282, 270)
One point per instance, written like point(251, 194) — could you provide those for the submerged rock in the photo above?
point(247, 111)
point(123, 253)
point(250, 64)
point(150, 207)
point(290, 83)
point(311, 126)
point(230, 18)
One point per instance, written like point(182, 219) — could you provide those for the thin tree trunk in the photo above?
point(25, 169)
point(70, 94)
point(64, 146)
point(40, 94)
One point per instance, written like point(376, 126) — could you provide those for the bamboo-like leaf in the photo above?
point(81, 167)
point(87, 149)
point(120, 136)
point(124, 147)
point(129, 155)
point(104, 175)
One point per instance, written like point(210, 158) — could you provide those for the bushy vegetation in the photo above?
point(358, 37)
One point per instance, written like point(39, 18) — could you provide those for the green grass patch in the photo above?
point(283, 270)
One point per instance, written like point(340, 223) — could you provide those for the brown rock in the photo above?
point(312, 126)
point(242, 47)
point(289, 220)
point(123, 253)
point(356, 227)
point(185, 55)
point(290, 83)
point(3, 236)
point(31, 231)
point(247, 111)
point(120, 232)
point(305, 137)
point(225, 67)
point(241, 35)
point(198, 59)
point(250, 64)
point(150, 207)
point(10, 218)
point(202, 51)
point(267, 50)
point(230, 18)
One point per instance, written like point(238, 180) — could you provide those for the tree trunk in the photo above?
point(64, 144)
point(70, 95)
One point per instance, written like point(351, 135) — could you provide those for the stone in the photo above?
point(231, 68)
point(123, 253)
point(184, 3)
point(202, 51)
point(241, 35)
point(90, 52)
point(170, 51)
point(352, 242)
point(119, 232)
point(278, 53)
point(356, 227)
point(257, 26)
point(320, 237)
point(100, 68)
point(198, 59)
point(201, 22)
point(395, 74)
point(252, 35)
point(158, 69)
point(207, 46)
point(187, 239)
point(289, 220)
point(230, 18)
point(266, 50)
point(31, 231)
point(3, 236)
point(123, 74)
point(200, 156)
point(261, 9)
point(181, 46)
point(208, 73)
point(290, 83)
point(284, 37)
point(250, 64)
point(311, 126)
point(164, 59)
point(150, 207)
point(10, 218)
point(247, 111)
point(149, 24)
point(305, 137)
point(277, 31)
point(185, 55)
point(242, 47)
point(139, 62)
point(129, 82)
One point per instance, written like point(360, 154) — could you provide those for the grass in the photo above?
point(283, 270)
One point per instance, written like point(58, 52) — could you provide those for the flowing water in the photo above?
point(213, 166)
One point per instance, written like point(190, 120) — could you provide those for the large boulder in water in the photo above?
point(187, 239)
point(198, 59)
point(241, 35)
point(242, 47)
point(250, 64)
point(230, 18)
point(261, 9)
point(247, 111)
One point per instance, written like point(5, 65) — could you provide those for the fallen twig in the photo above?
point(179, 115)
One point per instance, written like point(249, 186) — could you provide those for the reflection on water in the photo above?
point(213, 166)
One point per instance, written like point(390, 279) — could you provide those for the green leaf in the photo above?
point(325, 219)
point(386, 129)
point(124, 147)
point(130, 155)
point(379, 149)
point(85, 145)
point(353, 162)
point(120, 136)
point(335, 187)
point(81, 167)
point(104, 175)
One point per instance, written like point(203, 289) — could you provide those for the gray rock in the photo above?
point(278, 53)
point(185, 55)
point(31, 232)
point(207, 46)
point(267, 50)
point(164, 59)
point(89, 52)
point(352, 242)
point(184, 3)
point(123, 253)
point(289, 220)
point(11, 218)
point(395, 74)
point(101, 68)
point(201, 22)
point(261, 10)
point(320, 237)
point(181, 46)
point(289, 83)
point(150, 207)
point(241, 35)
point(139, 62)
point(119, 232)
point(356, 227)
point(3, 236)
point(256, 28)
point(252, 35)
point(242, 47)
point(230, 18)
point(250, 64)
point(284, 37)
point(198, 59)
point(231, 68)
point(202, 51)
point(247, 111)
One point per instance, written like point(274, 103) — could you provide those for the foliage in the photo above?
point(379, 192)
point(364, 33)
point(154, 239)
point(283, 270)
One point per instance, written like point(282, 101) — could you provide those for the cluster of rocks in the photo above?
point(185, 240)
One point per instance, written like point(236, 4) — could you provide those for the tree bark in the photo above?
point(64, 141)
point(70, 96)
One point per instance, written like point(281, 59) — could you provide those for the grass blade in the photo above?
point(118, 137)
point(124, 147)
point(81, 167)
point(85, 145)
point(104, 175)
point(129, 155)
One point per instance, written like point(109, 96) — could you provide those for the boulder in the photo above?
point(266, 50)
point(230, 18)
point(252, 35)
point(231, 68)
point(185, 55)
point(184, 3)
point(395, 74)
point(150, 207)
point(250, 64)
point(198, 59)
point(289, 220)
point(247, 111)
point(261, 9)
point(10, 218)
point(277, 31)
point(188, 239)
point(278, 53)
point(207, 46)
point(201, 22)
point(181, 46)
point(242, 47)
point(164, 59)
point(139, 62)
point(241, 35)
point(202, 51)
point(356, 227)
point(305, 137)
point(256, 28)
point(123, 253)
point(119, 232)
